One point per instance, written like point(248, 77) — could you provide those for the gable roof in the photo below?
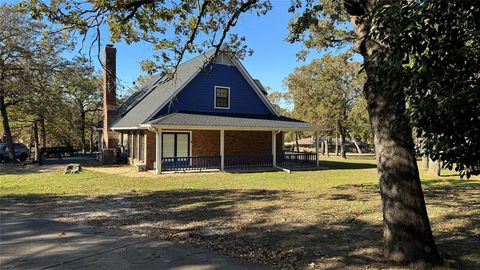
point(138, 95)
point(156, 93)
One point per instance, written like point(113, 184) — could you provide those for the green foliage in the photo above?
point(358, 121)
point(39, 86)
point(196, 25)
point(435, 56)
point(279, 100)
point(319, 25)
point(80, 89)
point(326, 90)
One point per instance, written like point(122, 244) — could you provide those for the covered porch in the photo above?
point(194, 142)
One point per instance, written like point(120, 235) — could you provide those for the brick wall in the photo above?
point(206, 143)
point(151, 149)
point(253, 143)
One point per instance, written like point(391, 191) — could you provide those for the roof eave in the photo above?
point(126, 128)
point(317, 129)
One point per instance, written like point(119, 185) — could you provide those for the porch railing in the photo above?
point(240, 162)
point(190, 163)
point(235, 162)
point(296, 158)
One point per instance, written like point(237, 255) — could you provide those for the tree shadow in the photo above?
point(346, 165)
point(211, 219)
point(252, 224)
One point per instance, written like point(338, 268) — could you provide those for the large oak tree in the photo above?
point(401, 43)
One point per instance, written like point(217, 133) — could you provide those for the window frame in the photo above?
point(215, 97)
point(175, 140)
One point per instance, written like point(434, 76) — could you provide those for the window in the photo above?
point(175, 144)
point(222, 97)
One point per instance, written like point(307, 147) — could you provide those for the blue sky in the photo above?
point(272, 61)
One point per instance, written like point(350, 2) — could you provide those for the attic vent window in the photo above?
point(222, 97)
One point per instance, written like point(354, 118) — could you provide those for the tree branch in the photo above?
point(136, 5)
point(232, 22)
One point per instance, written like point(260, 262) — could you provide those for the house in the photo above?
point(309, 142)
point(211, 115)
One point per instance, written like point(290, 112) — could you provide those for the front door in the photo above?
point(176, 148)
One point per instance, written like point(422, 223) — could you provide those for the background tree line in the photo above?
point(328, 92)
point(45, 98)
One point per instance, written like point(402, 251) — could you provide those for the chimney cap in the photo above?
point(110, 45)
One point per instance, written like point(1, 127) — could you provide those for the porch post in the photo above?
point(222, 149)
point(137, 154)
point(121, 138)
point(316, 148)
point(158, 152)
point(274, 148)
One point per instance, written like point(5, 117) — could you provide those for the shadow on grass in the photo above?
point(346, 165)
point(249, 224)
point(457, 202)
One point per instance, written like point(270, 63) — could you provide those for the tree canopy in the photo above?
point(196, 25)
point(39, 87)
point(433, 55)
point(325, 92)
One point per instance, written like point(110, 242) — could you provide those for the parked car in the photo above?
point(21, 151)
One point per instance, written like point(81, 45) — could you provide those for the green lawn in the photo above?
point(91, 182)
point(322, 219)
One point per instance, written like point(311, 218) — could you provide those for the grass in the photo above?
point(322, 219)
point(92, 182)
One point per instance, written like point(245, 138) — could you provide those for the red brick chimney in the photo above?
point(110, 138)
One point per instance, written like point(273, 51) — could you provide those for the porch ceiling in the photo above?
point(209, 121)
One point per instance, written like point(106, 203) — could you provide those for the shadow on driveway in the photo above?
point(33, 243)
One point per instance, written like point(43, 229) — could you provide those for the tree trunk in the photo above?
point(296, 141)
point(407, 233)
point(438, 168)
point(435, 167)
point(341, 130)
point(82, 132)
point(425, 163)
point(327, 154)
point(336, 145)
point(355, 142)
point(91, 140)
point(43, 131)
point(6, 129)
point(36, 142)
point(321, 147)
